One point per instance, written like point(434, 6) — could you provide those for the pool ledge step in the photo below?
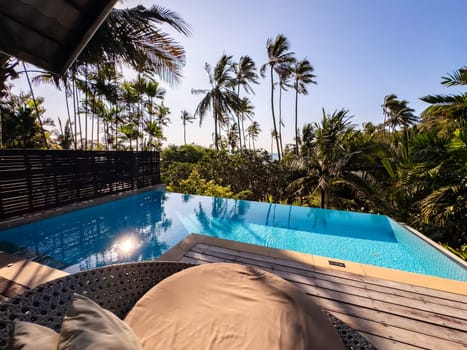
point(26, 273)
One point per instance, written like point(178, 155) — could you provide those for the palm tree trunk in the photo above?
point(86, 110)
point(243, 132)
point(79, 120)
point(280, 120)
point(67, 108)
point(216, 136)
point(1, 132)
point(93, 120)
point(323, 199)
point(274, 116)
point(238, 119)
point(272, 144)
point(184, 133)
point(44, 138)
point(75, 138)
point(97, 131)
point(296, 122)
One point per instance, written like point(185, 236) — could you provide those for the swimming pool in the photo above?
point(144, 226)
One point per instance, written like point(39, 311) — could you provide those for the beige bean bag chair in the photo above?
point(229, 306)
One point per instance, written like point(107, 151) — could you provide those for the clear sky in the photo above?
point(361, 50)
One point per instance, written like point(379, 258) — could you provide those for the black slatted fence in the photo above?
point(33, 180)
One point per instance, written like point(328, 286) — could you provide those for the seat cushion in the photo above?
point(88, 326)
point(31, 336)
point(229, 306)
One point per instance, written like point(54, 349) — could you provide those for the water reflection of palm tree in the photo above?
point(222, 214)
point(186, 197)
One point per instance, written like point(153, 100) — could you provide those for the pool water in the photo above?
point(144, 226)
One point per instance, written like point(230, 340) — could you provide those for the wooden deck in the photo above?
point(391, 315)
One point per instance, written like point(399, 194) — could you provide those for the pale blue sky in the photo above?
point(361, 50)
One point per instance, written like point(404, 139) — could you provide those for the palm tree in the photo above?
point(220, 99)
point(133, 37)
point(397, 113)
point(232, 137)
point(129, 98)
point(278, 53)
point(253, 132)
point(284, 74)
point(65, 138)
point(302, 72)
point(245, 111)
point(439, 173)
point(273, 138)
point(244, 73)
point(327, 166)
point(186, 118)
point(447, 108)
point(7, 71)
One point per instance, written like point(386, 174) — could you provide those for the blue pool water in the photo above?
point(144, 226)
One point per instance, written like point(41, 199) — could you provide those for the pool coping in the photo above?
point(426, 281)
point(45, 214)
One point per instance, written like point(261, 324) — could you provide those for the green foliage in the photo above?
point(20, 126)
point(186, 154)
point(249, 174)
point(195, 184)
point(460, 252)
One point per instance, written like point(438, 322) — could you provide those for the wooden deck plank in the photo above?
point(399, 334)
point(338, 294)
point(388, 344)
point(395, 320)
point(349, 289)
point(391, 315)
point(457, 298)
point(357, 281)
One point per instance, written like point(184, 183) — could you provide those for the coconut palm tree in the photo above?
point(302, 72)
point(278, 53)
point(133, 37)
point(186, 118)
point(244, 74)
point(447, 109)
point(284, 74)
point(232, 137)
point(438, 176)
point(253, 132)
point(327, 166)
point(220, 98)
point(245, 111)
point(397, 113)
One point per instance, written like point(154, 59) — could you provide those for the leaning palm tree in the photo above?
point(186, 118)
point(132, 37)
point(220, 99)
point(245, 74)
point(302, 72)
point(253, 132)
point(278, 53)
